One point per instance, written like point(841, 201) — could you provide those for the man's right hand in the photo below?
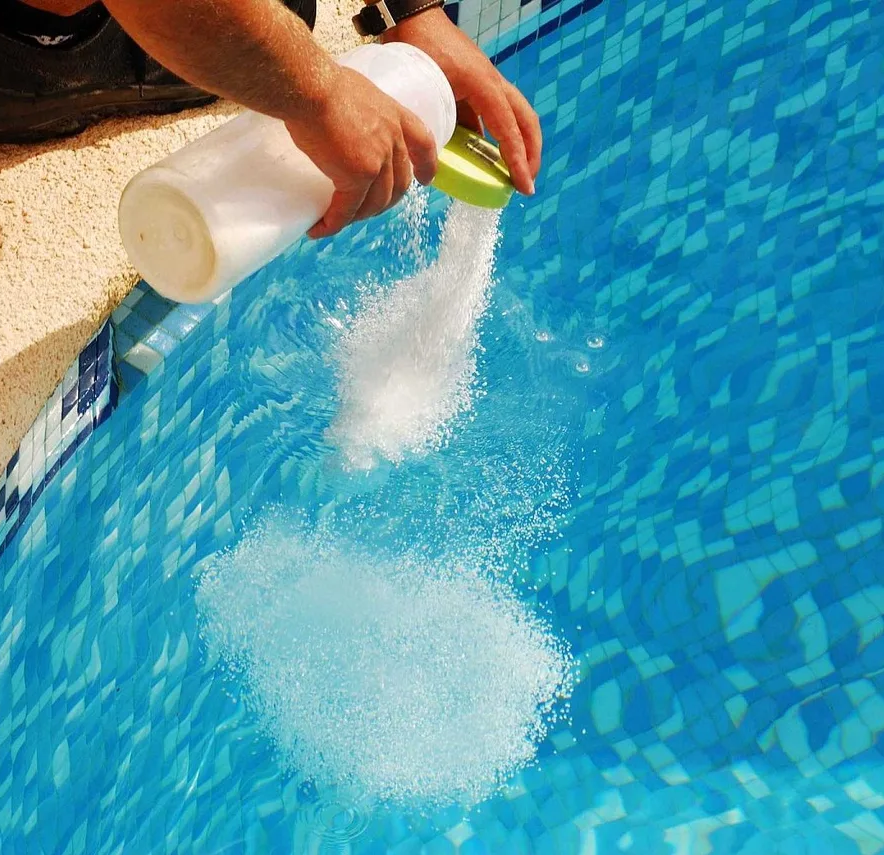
point(367, 144)
point(261, 55)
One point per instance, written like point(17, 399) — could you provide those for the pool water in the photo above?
point(674, 455)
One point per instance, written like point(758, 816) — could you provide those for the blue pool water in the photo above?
point(677, 458)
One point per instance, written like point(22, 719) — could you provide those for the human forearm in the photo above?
point(255, 52)
point(259, 54)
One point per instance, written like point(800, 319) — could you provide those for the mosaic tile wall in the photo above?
point(83, 400)
point(715, 190)
point(149, 328)
point(503, 27)
point(727, 548)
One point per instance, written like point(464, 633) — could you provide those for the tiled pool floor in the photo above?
point(707, 243)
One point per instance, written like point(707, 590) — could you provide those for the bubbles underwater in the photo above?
point(414, 681)
point(377, 632)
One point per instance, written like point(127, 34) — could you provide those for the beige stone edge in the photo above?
point(62, 266)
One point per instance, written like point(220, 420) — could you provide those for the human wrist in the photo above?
point(433, 16)
point(313, 105)
point(383, 17)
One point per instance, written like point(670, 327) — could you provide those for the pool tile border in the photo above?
point(148, 328)
point(82, 401)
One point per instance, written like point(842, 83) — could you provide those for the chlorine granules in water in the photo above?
point(407, 361)
point(413, 681)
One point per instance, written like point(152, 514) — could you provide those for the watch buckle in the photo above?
point(386, 15)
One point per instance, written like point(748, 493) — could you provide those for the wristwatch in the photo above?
point(383, 15)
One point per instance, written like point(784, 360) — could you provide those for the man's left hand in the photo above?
point(480, 91)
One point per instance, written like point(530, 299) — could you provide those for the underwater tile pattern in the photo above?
point(148, 328)
point(82, 401)
point(727, 548)
point(503, 27)
point(706, 243)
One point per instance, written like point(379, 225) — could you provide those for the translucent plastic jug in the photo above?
point(205, 217)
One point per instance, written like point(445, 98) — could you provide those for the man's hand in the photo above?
point(367, 144)
point(480, 90)
point(259, 54)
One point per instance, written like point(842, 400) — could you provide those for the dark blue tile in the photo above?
point(103, 338)
point(69, 401)
point(53, 470)
point(87, 356)
point(10, 535)
point(102, 373)
point(67, 454)
point(85, 433)
point(24, 505)
point(11, 503)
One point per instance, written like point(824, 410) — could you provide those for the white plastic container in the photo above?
point(205, 217)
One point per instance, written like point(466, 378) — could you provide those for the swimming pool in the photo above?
point(678, 451)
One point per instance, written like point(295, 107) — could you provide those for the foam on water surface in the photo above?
point(411, 680)
point(407, 359)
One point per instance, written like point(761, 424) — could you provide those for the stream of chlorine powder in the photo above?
point(413, 677)
point(407, 361)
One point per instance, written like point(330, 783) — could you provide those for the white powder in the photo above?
point(407, 360)
point(409, 680)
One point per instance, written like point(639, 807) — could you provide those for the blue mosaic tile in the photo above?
point(84, 399)
point(707, 239)
point(148, 329)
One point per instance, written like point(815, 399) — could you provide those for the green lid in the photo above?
point(472, 170)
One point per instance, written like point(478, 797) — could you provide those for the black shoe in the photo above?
point(48, 92)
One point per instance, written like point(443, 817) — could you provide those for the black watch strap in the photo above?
point(385, 14)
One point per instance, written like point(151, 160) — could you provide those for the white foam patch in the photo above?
point(407, 360)
point(412, 681)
